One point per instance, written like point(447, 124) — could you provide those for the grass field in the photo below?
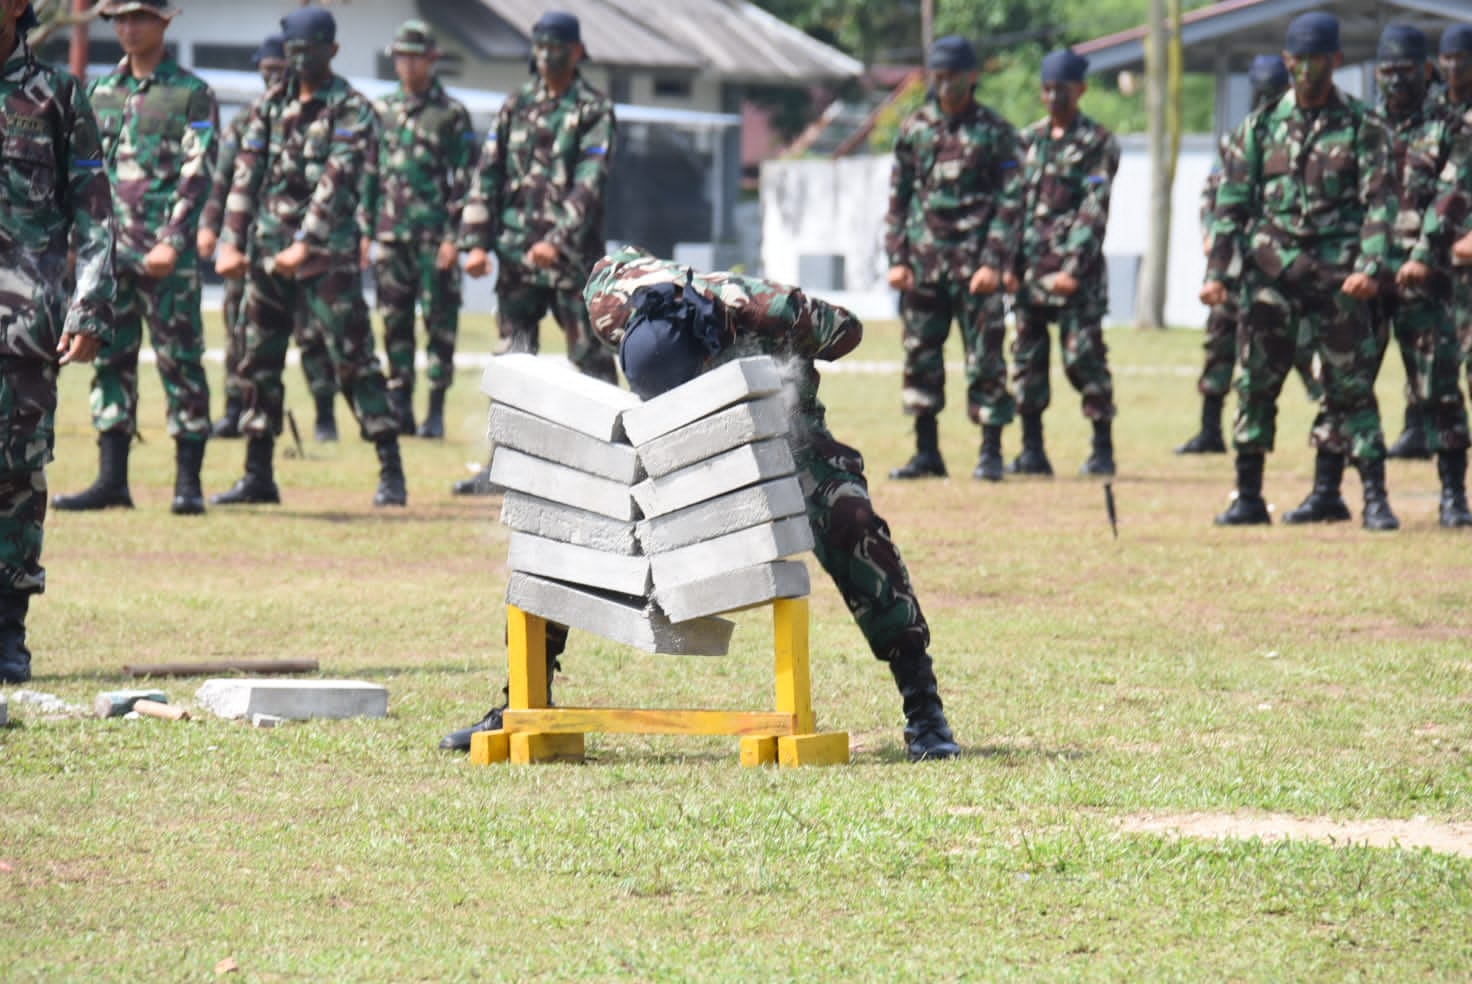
point(1104, 690)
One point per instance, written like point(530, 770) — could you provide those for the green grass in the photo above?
point(1317, 672)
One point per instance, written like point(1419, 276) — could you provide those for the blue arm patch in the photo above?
point(1095, 179)
point(344, 134)
point(597, 152)
point(254, 144)
point(201, 125)
point(1008, 165)
point(87, 163)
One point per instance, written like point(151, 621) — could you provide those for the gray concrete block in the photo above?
point(293, 700)
point(726, 472)
point(512, 469)
point(744, 548)
point(732, 590)
point(777, 499)
point(555, 521)
point(633, 622)
point(578, 565)
point(734, 382)
point(508, 427)
point(745, 423)
point(558, 393)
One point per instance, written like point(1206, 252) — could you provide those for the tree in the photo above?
point(1163, 98)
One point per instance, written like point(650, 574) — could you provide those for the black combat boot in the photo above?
point(478, 484)
point(111, 487)
point(1033, 459)
point(459, 741)
point(989, 462)
point(1248, 507)
point(1412, 440)
point(391, 490)
point(927, 462)
point(1324, 503)
point(15, 658)
point(1452, 467)
point(258, 484)
point(188, 495)
point(325, 430)
point(1209, 439)
point(1377, 516)
point(927, 735)
point(227, 425)
point(1101, 452)
point(401, 405)
point(434, 421)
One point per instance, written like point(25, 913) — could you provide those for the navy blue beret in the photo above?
point(1313, 34)
point(310, 24)
point(26, 20)
point(951, 53)
point(1402, 43)
point(558, 26)
point(673, 331)
point(1457, 40)
point(1268, 72)
point(1064, 66)
point(274, 46)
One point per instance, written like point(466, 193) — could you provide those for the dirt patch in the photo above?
point(1417, 832)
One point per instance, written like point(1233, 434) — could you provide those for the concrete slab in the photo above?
point(732, 590)
point(734, 382)
point(558, 393)
point(726, 472)
point(777, 499)
point(553, 520)
point(293, 700)
point(744, 548)
point(745, 423)
point(512, 469)
point(509, 427)
point(578, 565)
point(634, 622)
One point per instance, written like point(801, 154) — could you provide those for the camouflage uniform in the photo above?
point(54, 194)
point(212, 219)
point(541, 176)
point(424, 166)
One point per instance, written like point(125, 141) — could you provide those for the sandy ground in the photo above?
point(1417, 832)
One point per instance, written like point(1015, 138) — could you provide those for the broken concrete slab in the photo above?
point(558, 393)
point(513, 469)
point(293, 700)
point(578, 565)
point(745, 423)
point(509, 427)
point(733, 590)
point(734, 382)
point(744, 548)
point(631, 621)
point(555, 521)
point(751, 506)
point(726, 472)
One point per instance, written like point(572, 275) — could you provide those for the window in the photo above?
point(671, 87)
point(238, 57)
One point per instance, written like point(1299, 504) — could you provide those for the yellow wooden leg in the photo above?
point(529, 747)
point(825, 749)
point(487, 747)
point(526, 659)
point(758, 751)
point(794, 687)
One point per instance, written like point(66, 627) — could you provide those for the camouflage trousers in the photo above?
point(928, 311)
point(1281, 316)
point(1462, 316)
point(854, 546)
point(1085, 357)
point(234, 334)
point(311, 346)
point(520, 307)
point(406, 274)
point(28, 416)
point(1221, 356)
point(171, 308)
point(331, 311)
point(1425, 329)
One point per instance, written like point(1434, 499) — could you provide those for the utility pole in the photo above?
point(927, 28)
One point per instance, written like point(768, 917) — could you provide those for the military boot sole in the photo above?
point(431, 428)
point(1322, 511)
point(391, 497)
point(238, 496)
point(1204, 443)
point(187, 505)
point(988, 470)
point(1252, 513)
point(1021, 466)
point(1380, 522)
point(90, 501)
point(14, 673)
point(1098, 467)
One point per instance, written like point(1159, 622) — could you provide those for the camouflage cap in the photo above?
point(413, 38)
point(159, 8)
point(1401, 43)
point(310, 24)
point(1456, 40)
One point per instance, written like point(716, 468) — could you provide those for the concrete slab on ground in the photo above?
point(749, 464)
point(751, 506)
point(744, 548)
point(578, 565)
point(733, 590)
point(558, 393)
point(509, 427)
point(734, 382)
point(633, 622)
point(745, 423)
point(513, 469)
point(293, 700)
point(555, 521)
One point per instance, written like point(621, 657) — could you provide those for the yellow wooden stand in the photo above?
point(533, 732)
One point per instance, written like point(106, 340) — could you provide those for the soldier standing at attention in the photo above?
point(1312, 252)
point(294, 206)
point(158, 125)
point(950, 232)
point(54, 194)
point(424, 169)
point(1068, 167)
point(270, 61)
point(536, 201)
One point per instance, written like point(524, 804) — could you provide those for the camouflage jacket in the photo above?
point(228, 148)
point(762, 317)
point(541, 176)
point(424, 166)
point(1417, 160)
point(1447, 141)
point(954, 194)
point(1317, 187)
point(300, 175)
point(1065, 208)
point(55, 196)
point(158, 139)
